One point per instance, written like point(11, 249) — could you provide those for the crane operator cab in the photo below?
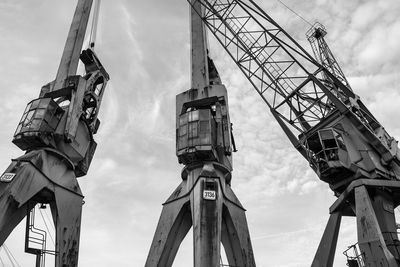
point(339, 153)
point(39, 120)
point(327, 154)
point(203, 130)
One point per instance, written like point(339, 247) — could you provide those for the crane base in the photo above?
point(373, 206)
point(43, 176)
point(205, 201)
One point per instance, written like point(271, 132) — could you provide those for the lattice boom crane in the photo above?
point(325, 121)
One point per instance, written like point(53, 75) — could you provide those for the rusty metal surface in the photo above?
point(326, 250)
point(369, 233)
point(60, 148)
point(214, 221)
point(73, 46)
point(31, 185)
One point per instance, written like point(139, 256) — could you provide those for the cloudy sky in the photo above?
point(144, 45)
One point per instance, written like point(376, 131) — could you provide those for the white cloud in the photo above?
point(145, 47)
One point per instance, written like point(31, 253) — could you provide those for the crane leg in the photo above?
point(15, 195)
point(383, 205)
point(66, 211)
point(172, 227)
point(43, 177)
point(215, 218)
point(235, 235)
point(326, 250)
point(207, 223)
point(370, 238)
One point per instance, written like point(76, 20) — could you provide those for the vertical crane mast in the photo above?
point(73, 46)
point(56, 131)
point(198, 59)
point(204, 199)
point(326, 122)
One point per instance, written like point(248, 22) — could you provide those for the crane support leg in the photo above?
point(207, 219)
point(67, 211)
point(370, 238)
point(173, 225)
point(205, 201)
point(235, 235)
point(11, 214)
point(42, 176)
point(326, 250)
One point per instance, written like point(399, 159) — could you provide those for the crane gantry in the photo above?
point(56, 131)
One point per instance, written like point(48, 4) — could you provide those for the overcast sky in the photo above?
point(144, 45)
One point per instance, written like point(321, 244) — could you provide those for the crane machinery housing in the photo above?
point(56, 131)
point(324, 119)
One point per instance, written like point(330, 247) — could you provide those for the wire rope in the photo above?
point(11, 256)
point(1, 260)
point(47, 227)
point(50, 220)
point(8, 255)
point(294, 12)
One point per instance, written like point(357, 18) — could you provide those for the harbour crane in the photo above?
point(204, 144)
point(56, 132)
point(326, 122)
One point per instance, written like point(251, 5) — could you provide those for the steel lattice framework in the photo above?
point(323, 53)
point(290, 81)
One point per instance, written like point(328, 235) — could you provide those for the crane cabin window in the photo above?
point(327, 138)
point(40, 116)
point(193, 129)
point(314, 144)
point(323, 146)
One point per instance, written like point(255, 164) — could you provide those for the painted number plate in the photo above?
point(209, 195)
point(7, 177)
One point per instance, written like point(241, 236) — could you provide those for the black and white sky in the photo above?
point(144, 45)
